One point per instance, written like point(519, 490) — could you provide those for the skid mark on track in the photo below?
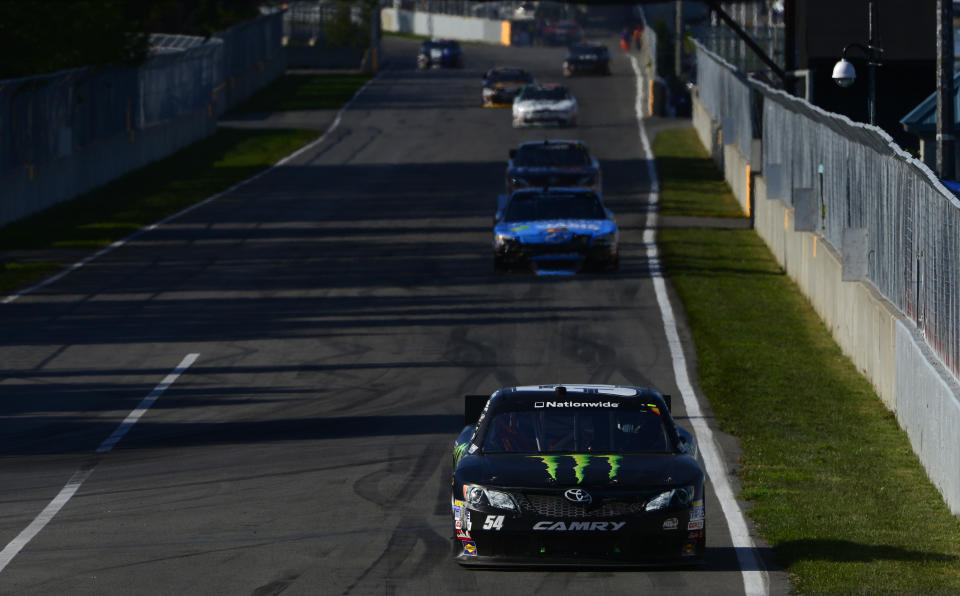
point(413, 529)
point(277, 586)
point(461, 349)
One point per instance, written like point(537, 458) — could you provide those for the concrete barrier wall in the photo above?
point(883, 344)
point(42, 186)
point(442, 25)
point(927, 407)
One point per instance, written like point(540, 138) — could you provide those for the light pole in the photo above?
point(844, 73)
point(945, 117)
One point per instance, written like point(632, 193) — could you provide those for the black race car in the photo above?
point(502, 85)
point(440, 53)
point(576, 475)
point(552, 163)
point(587, 58)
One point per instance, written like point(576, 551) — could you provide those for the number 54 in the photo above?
point(493, 522)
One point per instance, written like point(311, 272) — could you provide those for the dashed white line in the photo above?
point(755, 580)
point(81, 475)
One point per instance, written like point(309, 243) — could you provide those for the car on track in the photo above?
point(571, 475)
point(502, 85)
point(552, 163)
point(545, 105)
point(587, 58)
point(554, 231)
point(440, 53)
point(561, 32)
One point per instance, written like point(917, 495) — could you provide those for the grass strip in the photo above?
point(142, 197)
point(304, 92)
point(693, 184)
point(834, 484)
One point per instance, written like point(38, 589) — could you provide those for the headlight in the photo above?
point(683, 497)
point(605, 239)
point(585, 181)
point(516, 181)
point(503, 240)
point(488, 92)
point(661, 501)
point(478, 495)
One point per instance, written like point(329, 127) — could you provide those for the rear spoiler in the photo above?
point(473, 406)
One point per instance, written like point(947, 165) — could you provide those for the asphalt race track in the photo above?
point(341, 306)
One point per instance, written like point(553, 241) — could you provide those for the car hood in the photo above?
point(595, 470)
point(534, 170)
point(537, 232)
point(544, 104)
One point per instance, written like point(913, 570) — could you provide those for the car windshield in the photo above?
point(556, 93)
point(440, 45)
point(633, 429)
point(587, 50)
point(510, 76)
point(552, 154)
point(539, 207)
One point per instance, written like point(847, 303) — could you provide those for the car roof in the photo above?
point(552, 142)
point(546, 86)
point(508, 70)
point(557, 190)
point(577, 390)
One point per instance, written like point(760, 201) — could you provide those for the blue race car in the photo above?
point(555, 231)
point(440, 53)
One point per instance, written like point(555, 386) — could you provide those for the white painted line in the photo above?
point(140, 410)
point(755, 580)
point(70, 269)
point(81, 475)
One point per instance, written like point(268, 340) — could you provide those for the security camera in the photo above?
point(844, 73)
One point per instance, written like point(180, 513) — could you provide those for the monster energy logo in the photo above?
point(581, 462)
point(458, 452)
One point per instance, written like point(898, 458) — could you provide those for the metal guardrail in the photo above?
point(862, 180)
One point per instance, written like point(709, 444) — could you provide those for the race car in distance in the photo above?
point(587, 58)
point(560, 33)
point(552, 163)
point(539, 105)
point(554, 231)
point(440, 53)
point(501, 85)
point(576, 475)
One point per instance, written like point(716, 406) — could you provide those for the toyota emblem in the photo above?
point(577, 495)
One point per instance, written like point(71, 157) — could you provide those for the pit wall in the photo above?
point(445, 26)
point(885, 346)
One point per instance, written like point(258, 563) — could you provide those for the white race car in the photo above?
point(542, 105)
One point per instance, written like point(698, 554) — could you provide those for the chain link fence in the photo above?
point(64, 133)
point(862, 180)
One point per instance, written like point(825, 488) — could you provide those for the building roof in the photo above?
point(923, 118)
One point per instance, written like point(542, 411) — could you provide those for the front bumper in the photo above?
point(490, 537)
point(546, 258)
point(544, 118)
point(500, 97)
point(587, 66)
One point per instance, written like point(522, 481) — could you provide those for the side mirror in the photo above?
point(687, 442)
point(513, 153)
